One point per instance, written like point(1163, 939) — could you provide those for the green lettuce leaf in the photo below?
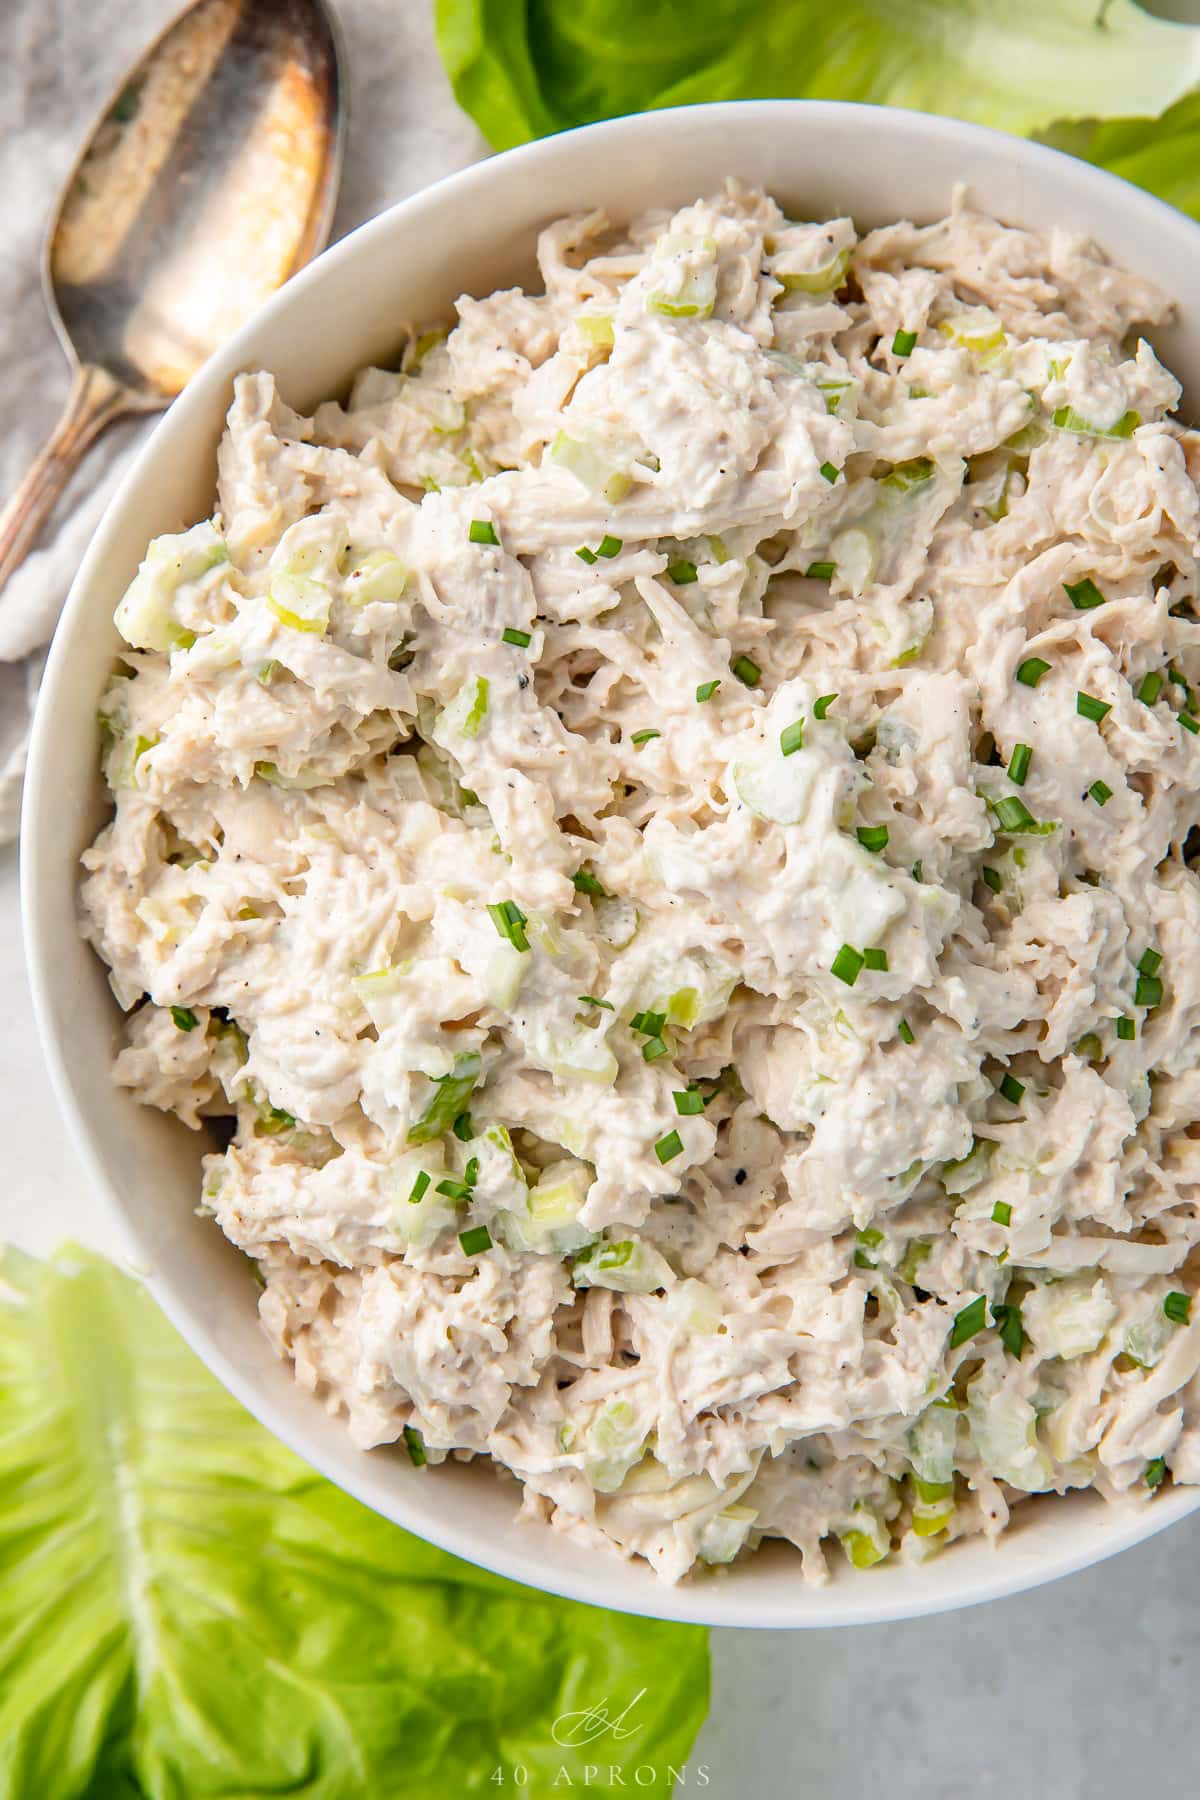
point(525, 68)
point(187, 1610)
point(1160, 154)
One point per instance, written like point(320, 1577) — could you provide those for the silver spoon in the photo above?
point(208, 180)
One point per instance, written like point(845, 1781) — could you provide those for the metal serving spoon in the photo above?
point(209, 179)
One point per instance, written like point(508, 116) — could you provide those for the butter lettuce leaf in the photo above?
point(187, 1610)
point(526, 68)
point(1162, 154)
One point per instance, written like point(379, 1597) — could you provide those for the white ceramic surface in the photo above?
point(473, 232)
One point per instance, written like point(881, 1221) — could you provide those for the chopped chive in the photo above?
point(847, 965)
point(643, 737)
point(820, 571)
point(1011, 1328)
point(791, 738)
point(511, 635)
point(918, 870)
point(591, 1000)
point(669, 1146)
point(609, 545)
point(414, 1443)
point(1088, 707)
point(454, 1190)
point(688, 1101)
point(418, 1187)
point(682, 572)
point(185, 1019)
point(471, 1172)
point(584, 882)
point(992, 878)
point(1149, 962)
point(585, 555)
point(1101, 792)
point(1149, 991)
point(476, 1240)
point(483, 532)
point(1030, 672)
point(1189, 722)
point(970, 1320)
point(1178, 1308)
point(872, 837)
point(904, 343)
point(905, 1032)
point(829, 472)
point(462, 1127)
point(653, 1048)
point(1083, 595)
point(1151, 688)
point(1013, 814)
point(1018, 766)
point(747, 672)
point(510, 922)
point(875, 959)
point(1002, 1213)
point(822, 705)
point(706, 690)
point(1156, 1472)
point(1012, 1089)
point(649, 1023)
point(1126, 1027)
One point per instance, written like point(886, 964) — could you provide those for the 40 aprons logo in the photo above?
point(592, 1729)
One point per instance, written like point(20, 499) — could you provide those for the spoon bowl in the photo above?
point(208, 180)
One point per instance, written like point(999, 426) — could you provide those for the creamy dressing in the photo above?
point(661, 825)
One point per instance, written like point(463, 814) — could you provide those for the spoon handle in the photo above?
point(97, 398)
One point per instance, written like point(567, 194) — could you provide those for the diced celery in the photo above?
point(595, 329)
point(824, 280)
point(613, 1442)
point(380, 991)
point(961, 1176)
point(903, 477)
point(450, 1097)
point(977, 330)
point(1148, 1335)
point(693, 295)
point(144, 616)
point(868, 1542)
point(724, 1535)
point(1067, 419)
point(931, 1443)
point(775, 787)
point(932, 1507)
point(596, 467)
point(616, 921)
point(299, 602)
point(1069, 1318)
point(628, 1266)
point(694, 1307)
point(856, 555)
point(466, 712)
point(376, 576)
point(1004, 1429)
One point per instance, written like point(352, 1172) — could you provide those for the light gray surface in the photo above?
point(1084, 1688)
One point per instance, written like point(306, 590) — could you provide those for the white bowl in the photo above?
point(474, 232)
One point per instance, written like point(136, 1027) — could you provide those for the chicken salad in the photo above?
point(660, 830)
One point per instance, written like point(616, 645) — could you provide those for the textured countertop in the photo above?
point(1084, 1688)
